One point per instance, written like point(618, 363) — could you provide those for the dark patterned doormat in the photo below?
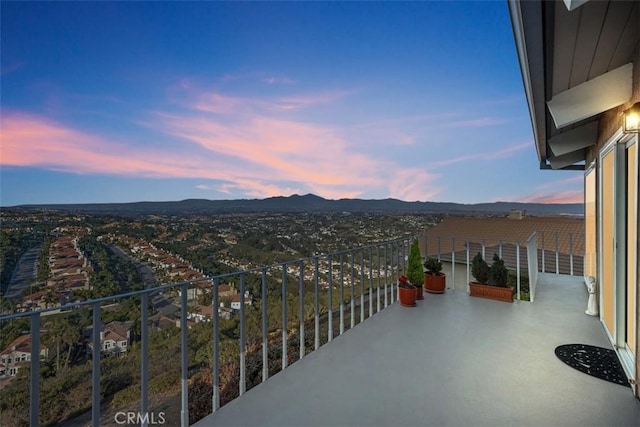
point(595, 361)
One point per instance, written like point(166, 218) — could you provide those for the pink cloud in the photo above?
point(568, 196)
point(312, 157)
point(558, 191)
point(259, 157)
point(29, 140)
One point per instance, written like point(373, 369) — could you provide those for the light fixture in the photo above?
point(631, 119)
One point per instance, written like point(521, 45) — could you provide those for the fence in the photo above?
point(364, 278)
point(557, 256)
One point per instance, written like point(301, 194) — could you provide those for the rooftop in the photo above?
point(453, 360)
point(507, 230)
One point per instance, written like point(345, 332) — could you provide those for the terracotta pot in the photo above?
point(490, 292)
point(435, 284)
point(419, 293)
point(407, 296)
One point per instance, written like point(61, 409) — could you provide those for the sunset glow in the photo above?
point(222, 100)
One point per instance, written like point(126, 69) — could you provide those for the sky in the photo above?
point(157, 101)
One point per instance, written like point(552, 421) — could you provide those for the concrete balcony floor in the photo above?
point(453, 360)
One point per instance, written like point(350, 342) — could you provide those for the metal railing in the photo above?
point(458, 254)
point(532, 263)
point(372, 273)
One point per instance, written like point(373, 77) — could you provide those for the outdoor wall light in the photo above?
point(631, 119)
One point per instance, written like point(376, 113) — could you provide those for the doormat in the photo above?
point(595, 361)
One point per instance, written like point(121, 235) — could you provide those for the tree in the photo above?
point(62, 331)
point(49, 299)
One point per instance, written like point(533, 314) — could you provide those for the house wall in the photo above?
point(610, 122)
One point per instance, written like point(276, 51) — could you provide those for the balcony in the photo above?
point(472, 361)
point(453, 360)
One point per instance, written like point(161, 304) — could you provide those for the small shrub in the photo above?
point(512, 281)
point(498, 273)
point(433, 265)
point(480, 269)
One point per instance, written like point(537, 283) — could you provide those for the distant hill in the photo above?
point(306, 203)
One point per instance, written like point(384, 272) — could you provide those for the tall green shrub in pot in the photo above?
point(498, 273)
point(480, 269)
point(415, 273)
point(414, 268)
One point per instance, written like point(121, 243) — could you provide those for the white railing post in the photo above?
point(265, 327)
point(301, 310)
point(557, 255)
point(184, 353)
point(386, 276)
point(370, 281)
point(362, 286)
point(453, 264)
point(144, 356)
point(216, 344)
point(316, 343)
point(571, 253)
point(518, 267)
point(543, 254)
point(352, 304)
point(243, 339)
point(95, 362)
point(285, 327)
point(341, 293)
point(468, 266)
point(330, 299)
point(379, 278)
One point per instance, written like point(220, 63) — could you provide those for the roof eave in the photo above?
point(527, 25)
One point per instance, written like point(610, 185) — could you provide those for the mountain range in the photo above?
point(306, 203)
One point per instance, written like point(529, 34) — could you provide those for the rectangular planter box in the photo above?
point(491, 292)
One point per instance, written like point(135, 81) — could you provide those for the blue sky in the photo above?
point(130, 101)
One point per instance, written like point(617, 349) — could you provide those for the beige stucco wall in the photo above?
point(609, 124)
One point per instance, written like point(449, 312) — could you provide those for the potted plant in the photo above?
point(414, 269)
point(491, 281)
point(406, 292)
point(434, 278)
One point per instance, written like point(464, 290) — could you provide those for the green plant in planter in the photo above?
point(480, 269)
point(498, 273)
point(414, 267)
point(433, 265)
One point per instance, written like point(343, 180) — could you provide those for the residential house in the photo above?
point(227, 290)
point(17, 354)
point(115, 339)
point(235, 300)
point(580, 64)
